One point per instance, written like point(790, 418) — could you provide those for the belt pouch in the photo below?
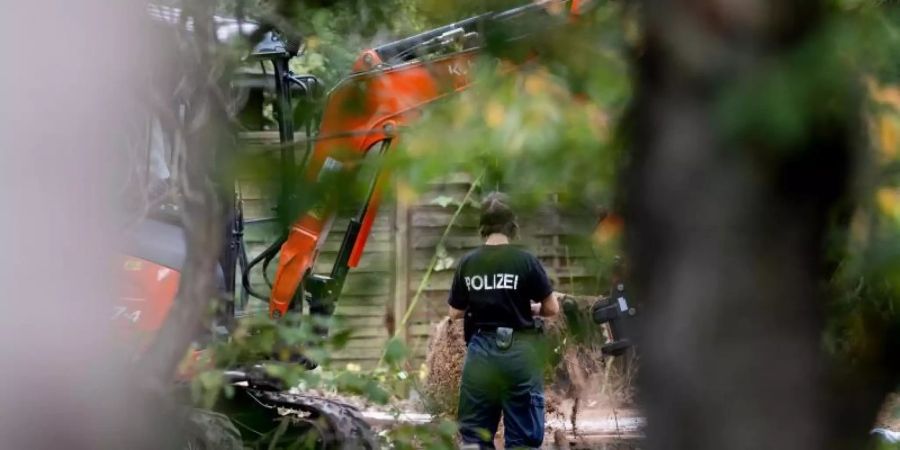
point(504, 337)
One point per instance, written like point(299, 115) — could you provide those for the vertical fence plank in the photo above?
point(401, 265)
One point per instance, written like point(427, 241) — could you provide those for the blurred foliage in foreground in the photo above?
point(867, 251)
point(544, 125)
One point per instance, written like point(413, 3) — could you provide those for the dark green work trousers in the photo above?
point(508, 381)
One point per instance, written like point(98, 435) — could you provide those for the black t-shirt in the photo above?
point(495, 285)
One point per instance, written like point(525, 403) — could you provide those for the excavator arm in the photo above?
point(389, 87)
point(362, 115)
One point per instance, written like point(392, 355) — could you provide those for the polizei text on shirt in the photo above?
point(492, 282)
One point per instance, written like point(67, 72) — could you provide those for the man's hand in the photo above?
point(456, 313)
point(549, 307)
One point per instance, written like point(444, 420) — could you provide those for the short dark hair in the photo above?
point(497, 216)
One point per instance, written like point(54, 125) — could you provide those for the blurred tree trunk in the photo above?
point(67, 133)
point(208, 140)
point(727, 220)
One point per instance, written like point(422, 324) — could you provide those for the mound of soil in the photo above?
point(444, 361)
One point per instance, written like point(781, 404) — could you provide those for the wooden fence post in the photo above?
point(401, 265)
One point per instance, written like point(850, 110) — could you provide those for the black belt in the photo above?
point(493, 330)
point(470, 329)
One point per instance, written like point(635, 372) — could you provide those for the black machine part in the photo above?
point(322, 291)
point(616, 312)
point(409, 48)
point(338, 425)
point(284, 83)
point(272, 45)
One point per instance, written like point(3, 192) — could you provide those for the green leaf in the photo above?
point(340, 338)
point(376, 393)
point(349, 382)
point(395, 352)
point(443, 260)
point(207, 387)
point(447, 428)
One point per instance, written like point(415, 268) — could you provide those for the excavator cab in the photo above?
point(155, 247)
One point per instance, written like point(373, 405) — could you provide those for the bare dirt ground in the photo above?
point(598, 427)
point(599, 424)
point(603, 418)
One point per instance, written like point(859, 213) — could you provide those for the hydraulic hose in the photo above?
point(268, 253)
point(265, 269)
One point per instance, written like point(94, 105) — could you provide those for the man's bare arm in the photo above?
point(550, 305)
point(456, 313)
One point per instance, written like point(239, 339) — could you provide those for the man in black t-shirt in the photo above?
point(493, 289)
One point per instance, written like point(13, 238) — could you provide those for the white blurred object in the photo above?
point(68, 93)
point(888, 435)
point(227, 28)
point(159, 167)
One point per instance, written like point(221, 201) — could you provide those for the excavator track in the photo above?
point(338, 425)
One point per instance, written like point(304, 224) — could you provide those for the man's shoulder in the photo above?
point(522, 252)
point(469, 255)
point(507, 252)
point(466, 257)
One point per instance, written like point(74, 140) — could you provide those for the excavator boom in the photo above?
point(363, 114)
point(390, 86)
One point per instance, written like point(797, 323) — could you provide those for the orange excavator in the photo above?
point(387, 90)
